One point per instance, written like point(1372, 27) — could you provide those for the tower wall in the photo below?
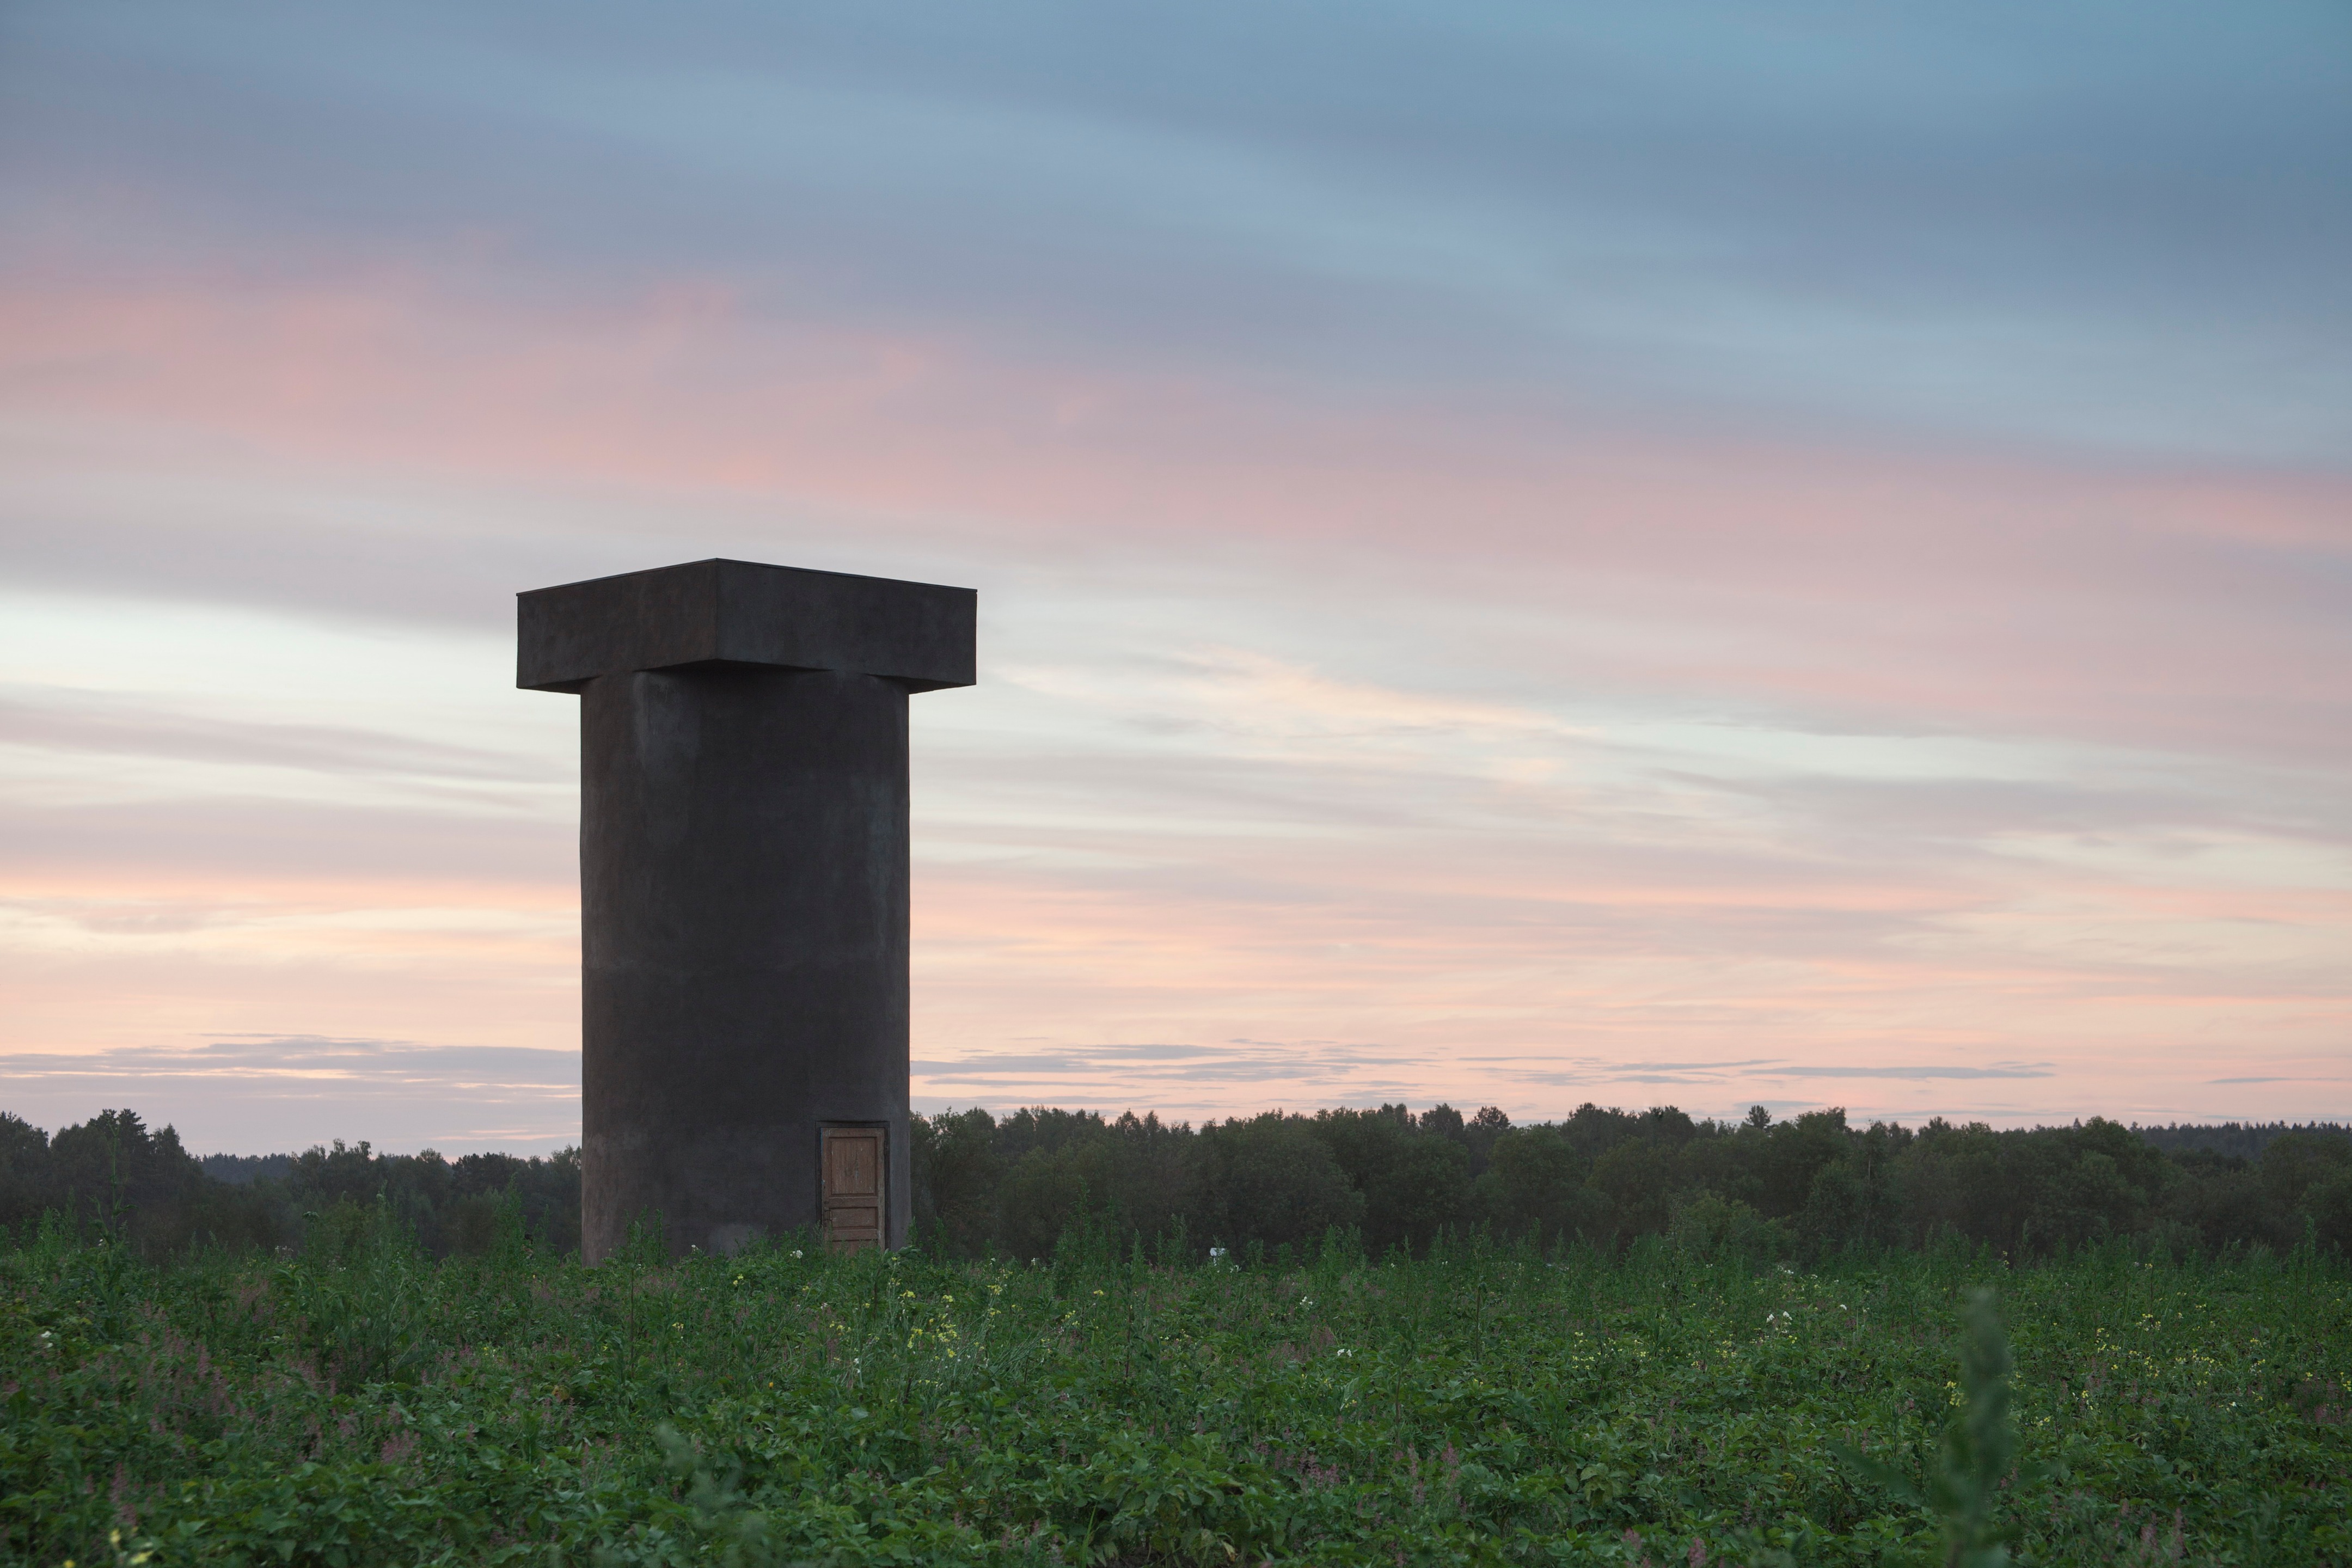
point(743, 864)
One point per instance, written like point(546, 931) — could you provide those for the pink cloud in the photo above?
point(2189, 608)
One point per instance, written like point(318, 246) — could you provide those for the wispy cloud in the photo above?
point(161, 842)
point(272, 1093)
point(1762, 1071)
point(1335, 1072)
point(111, 724)
point(1922, 1074)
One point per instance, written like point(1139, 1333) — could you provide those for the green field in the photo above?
point(364, 1405)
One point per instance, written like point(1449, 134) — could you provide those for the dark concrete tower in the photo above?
point(743, 889)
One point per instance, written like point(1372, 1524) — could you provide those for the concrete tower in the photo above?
point(743, 891)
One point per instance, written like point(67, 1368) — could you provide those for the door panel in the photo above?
point(851, 1162)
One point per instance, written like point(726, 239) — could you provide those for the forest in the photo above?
point(1395, 1180)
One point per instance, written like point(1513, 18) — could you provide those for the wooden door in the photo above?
point(851, 1159)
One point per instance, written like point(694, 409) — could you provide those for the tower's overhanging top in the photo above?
point(741, 612)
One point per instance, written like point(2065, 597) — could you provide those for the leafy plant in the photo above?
point(1975, 1457)
point(366, 1404)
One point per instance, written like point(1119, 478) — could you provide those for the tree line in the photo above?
point(115, 1173)
point(1605, 1177)
point(1393, 1178)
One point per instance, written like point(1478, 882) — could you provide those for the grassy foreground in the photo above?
point(1479, 1407)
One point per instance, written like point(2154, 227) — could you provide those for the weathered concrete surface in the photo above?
point(743, 862)
point(917, 634)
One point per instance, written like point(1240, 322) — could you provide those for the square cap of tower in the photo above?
point(741, 612)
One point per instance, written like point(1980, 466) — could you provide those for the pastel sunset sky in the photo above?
point(1697, 554)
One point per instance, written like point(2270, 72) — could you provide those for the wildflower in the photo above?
point(796, 1252)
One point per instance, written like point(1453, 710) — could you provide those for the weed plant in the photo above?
point(364, 1405)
